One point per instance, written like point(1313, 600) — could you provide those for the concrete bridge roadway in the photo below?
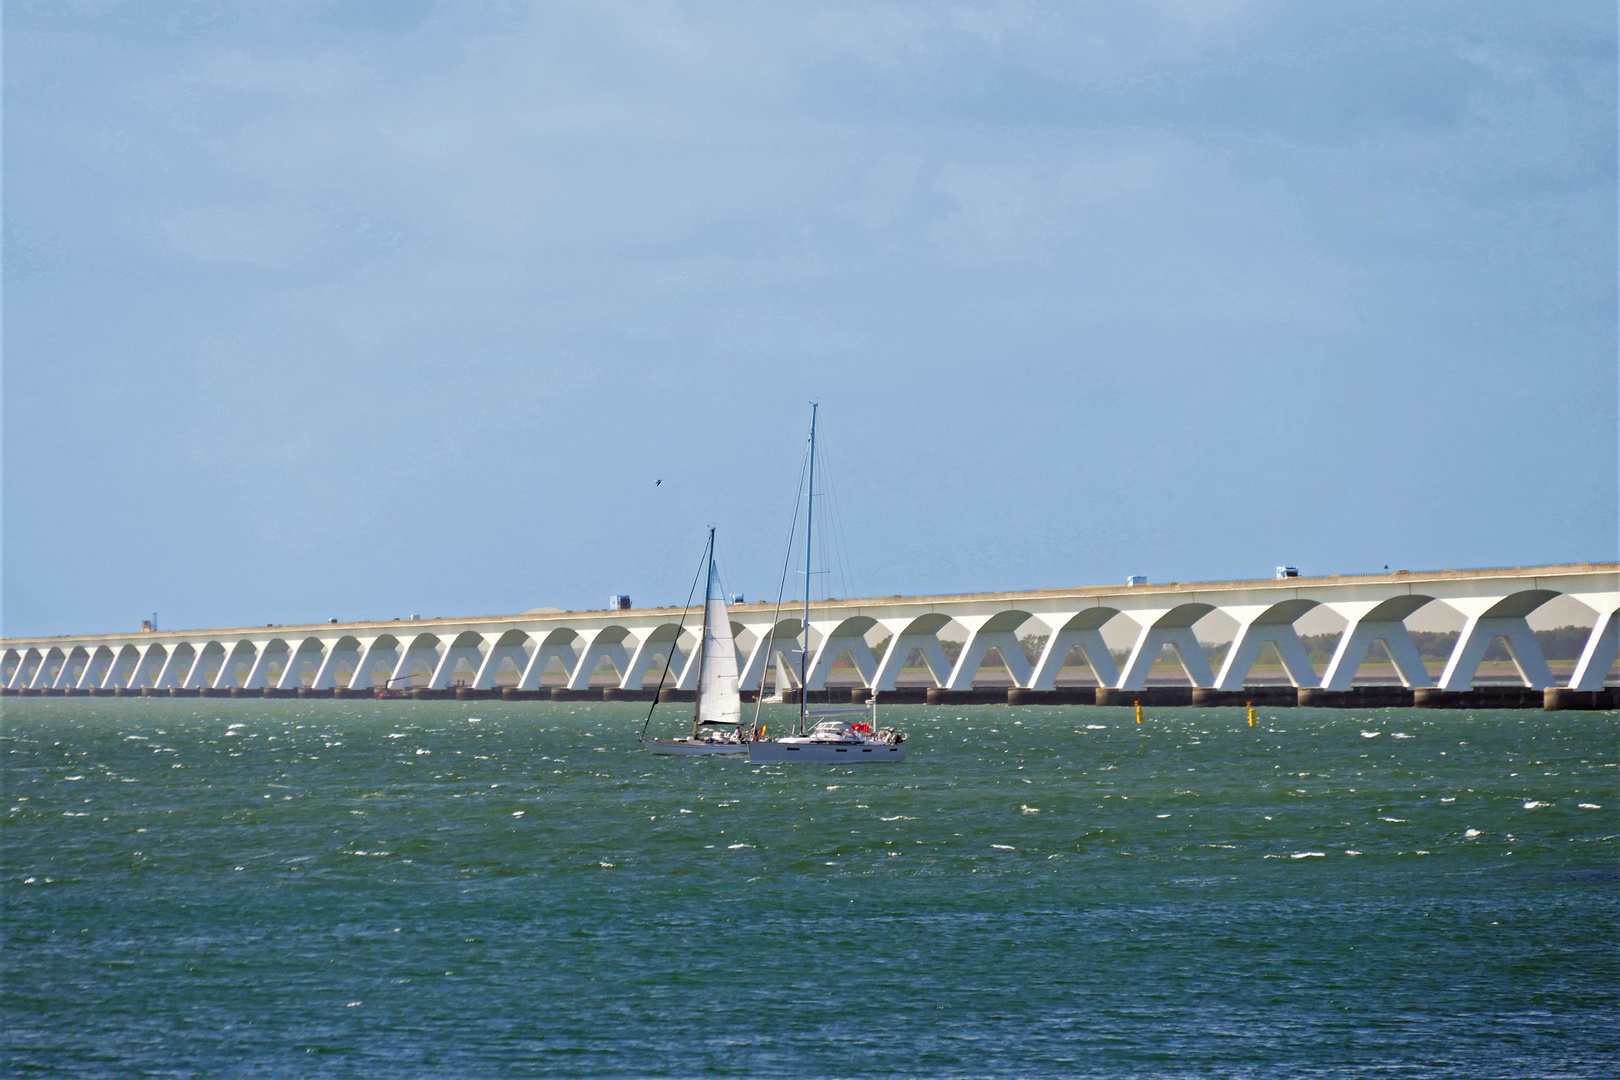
point(473, 651)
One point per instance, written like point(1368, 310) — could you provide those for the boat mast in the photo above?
point(809, 533)
point(703, 639)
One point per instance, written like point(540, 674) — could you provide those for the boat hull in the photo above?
point(785, 753)
point(693, 748)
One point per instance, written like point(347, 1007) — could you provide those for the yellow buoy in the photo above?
point(1138, 712)
point(1250, 704)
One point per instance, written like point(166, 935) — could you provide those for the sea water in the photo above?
point(301, 888)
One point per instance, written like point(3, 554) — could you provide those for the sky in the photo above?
point(370, 309)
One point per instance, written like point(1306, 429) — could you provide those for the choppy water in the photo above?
point(358, 889)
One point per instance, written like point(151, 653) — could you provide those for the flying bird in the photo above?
point(658, 483)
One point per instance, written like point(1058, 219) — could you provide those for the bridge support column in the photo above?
point(310, 649)
point(1602, 644)
point(238, 652)
point(43, 675)
point(146, 664)
point(1602, 648)
point(423, 647)
point(1257, 626)
point(326, 673)
point(95, 670)
point(827, 655)
point(905, 639)
point(118, 674)
point(464, 647)
point(785, 651)
point(591, 656)
point(1082, 631)
point(485, 679)
point(1370, 621)
point(1490, 618)
point(560, 649)
point(1151, 642)
point(258, 676)
point(174, 666)
point(1173, 627)
point(66, 677)
point(688, 669)
point(1245, 650)
point(1478, 634)
point(196, 673)
point(1352, 651)
point(373, 653)
point(24, 671)
point(370, 654)
point(977, 646)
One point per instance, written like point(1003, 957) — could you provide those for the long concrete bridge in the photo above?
point(518, 649)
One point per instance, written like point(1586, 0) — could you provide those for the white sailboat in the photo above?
point(829, 742)
point(717, 714)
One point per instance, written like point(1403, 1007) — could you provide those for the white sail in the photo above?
point(718, 700)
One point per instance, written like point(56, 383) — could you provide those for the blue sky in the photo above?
point(363, 310)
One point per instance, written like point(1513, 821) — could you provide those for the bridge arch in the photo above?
point(177, 664)
point(1272, 625)
point(301, 653)
point(336, 652)
point(918, 634)
point(416, 652)
point(847, 635)
point(96, 667)
point(78, 657)
point(380, 653)
point(122, 668)
point(606, 644)
point(557, 644)
point(51, 662)
point(782, 641)
point(242, 651)
point(1080, 632)
point(1493, 619)
point(1000, 632)
point(1383, 622)
point(202, 654)
point(1172, 627)
point(463, 647)
point(29, 663)
point(504, 647)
